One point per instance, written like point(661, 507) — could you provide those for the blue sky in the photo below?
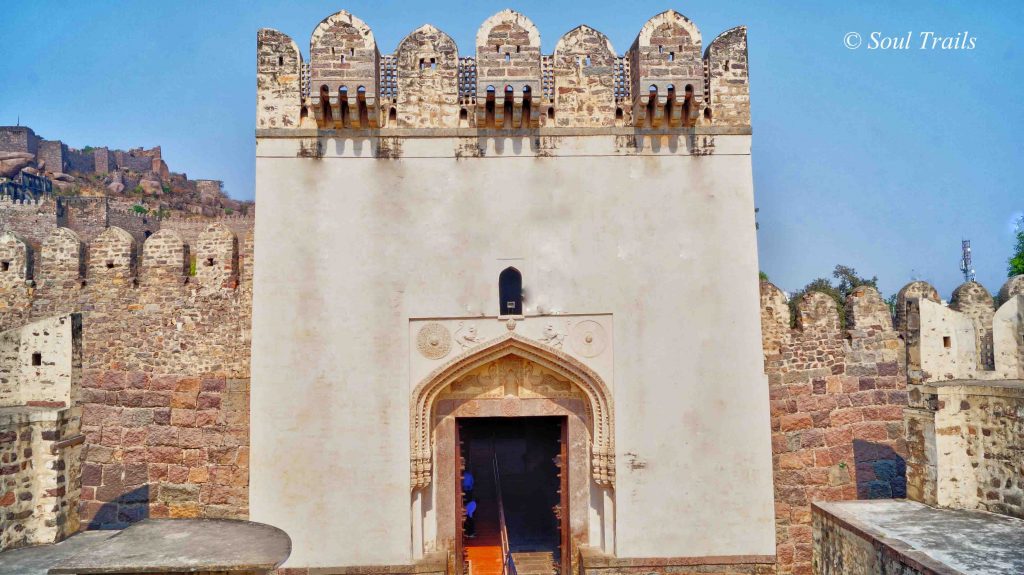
point(879, 159)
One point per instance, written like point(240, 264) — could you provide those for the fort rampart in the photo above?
point(667, 79)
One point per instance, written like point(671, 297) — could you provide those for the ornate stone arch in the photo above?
point(599, 398)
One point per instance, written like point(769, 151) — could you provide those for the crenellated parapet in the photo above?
point(278, 81)
point(965, 370)
point(427, 66)
point(967, 340)
point(668, 72)
point(837, 398)
point(162, 300)
point(665, 81)
point(344, 73)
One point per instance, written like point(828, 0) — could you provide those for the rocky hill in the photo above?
point(138, 179)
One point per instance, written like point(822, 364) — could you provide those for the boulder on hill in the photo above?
point(11, 163)
point(115, 187)
point(151, 187)
point(62, 177)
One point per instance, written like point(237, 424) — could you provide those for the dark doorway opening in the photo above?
point(519, 493)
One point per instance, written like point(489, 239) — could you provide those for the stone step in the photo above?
point(534, 563)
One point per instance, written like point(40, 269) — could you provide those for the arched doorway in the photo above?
point(512, 386)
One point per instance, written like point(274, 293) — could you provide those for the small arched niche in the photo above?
point(510, 292)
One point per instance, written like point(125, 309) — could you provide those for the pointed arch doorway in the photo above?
point(545, 419)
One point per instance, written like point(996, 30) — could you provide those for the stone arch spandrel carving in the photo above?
point(591, 387)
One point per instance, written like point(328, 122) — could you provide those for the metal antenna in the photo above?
point(966, 267)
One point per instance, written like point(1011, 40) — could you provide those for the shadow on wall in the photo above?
point(128, 508)
point(881, 472)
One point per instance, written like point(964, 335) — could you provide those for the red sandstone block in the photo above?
point(779, 443)
point(7, 500)
point(243, 457)
point(190, 437)
point(829, 456)
point(91, 474)
point(164, 454)
point(163, 383)
point(134, 437)
point(846, 416)
point(803, 569)
point(184, 400)
point(208, 418)
point(94, 414)
point(189, 384)
point(113, 380)
point(155, 399)
point(135, 455)
point(194, 457)
point(870, 431)
point(801, 515)
point(792, 461)
point(111, 437)
point(162, 435)
point(795, 422)
point(177, 473)
point(90, 378)
point(840, 436)
point(157, 472)
point(138, 380)
point(183, 417)
point(214, 384)
point(162, 415)
point(784, 553)
point(208, 400)
point(136, 474)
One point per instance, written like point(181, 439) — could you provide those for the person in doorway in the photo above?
point(467, 485)
point(470, 524)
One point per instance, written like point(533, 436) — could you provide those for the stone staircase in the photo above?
point(534, 563)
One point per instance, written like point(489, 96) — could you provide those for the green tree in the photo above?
point(848, 280)
point(1015, 265)
point(141, 210)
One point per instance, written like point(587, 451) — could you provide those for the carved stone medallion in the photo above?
point(433, 341)
point(588, 338)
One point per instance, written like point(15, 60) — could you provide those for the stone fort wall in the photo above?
point(164, 387)
point(164, 393)
point(837, 399)
point(667, 79)
point(922, 405)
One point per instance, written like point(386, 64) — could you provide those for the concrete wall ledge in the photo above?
point(183, 546)
point(887, 535)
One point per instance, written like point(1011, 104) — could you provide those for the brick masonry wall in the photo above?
point(837, 402)
point(166, 368)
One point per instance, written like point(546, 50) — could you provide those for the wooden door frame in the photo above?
point(460, 505)
point(564, 534)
